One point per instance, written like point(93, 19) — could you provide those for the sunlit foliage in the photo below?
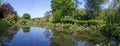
point(26, 16)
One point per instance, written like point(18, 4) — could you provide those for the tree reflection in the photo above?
point(7, 34)
point(60, 39)
point(26, 29)
point(47, 34)
point(3, 34)
point(2, 44)
point(14, 28)
point(111, 34)
point(63, 39)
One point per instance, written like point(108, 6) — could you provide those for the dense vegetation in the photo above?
point(104, 20)
point(7, 15)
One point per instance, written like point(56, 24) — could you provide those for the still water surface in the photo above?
point(34, 37)
point(37, 36)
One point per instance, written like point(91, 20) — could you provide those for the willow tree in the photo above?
point(116, 7)
point(113, 15)
point(61, 8)
point(93, 8)
point(112, 20)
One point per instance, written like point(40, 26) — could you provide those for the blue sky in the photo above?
point(36, 8)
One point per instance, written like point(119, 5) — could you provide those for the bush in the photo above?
point(4, 24)
point(66, 21)
point(110, 31)
point(26, 16)
point(25, 22)
point(88, 22)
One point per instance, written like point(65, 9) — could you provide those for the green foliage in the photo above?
point(26, 16)
point(104, 13)
point(110, 31)
point(57, 16)
point(117, 16)
point(89, 22)
point(4, 23)
point(112, 16)
point(93, 8)
point(61, 8)
point(66, 5)
point(66, 21)
point(7, 15)
point(26, 29)
point(24, 22)
point(80, 14)
point(12, 18)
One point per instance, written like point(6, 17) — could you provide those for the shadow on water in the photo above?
point(36, 36)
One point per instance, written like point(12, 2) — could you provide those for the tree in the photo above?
point(77, 2)
point(116, 7)
point(47, 15)
point(64, 7)
point(5, 9)
point(8, 9)
point(112, 20)
point(93, 8)
point(113, 15)
point(56, 17)
point(117, 16)
point(12, 18)
point(26, 16)
point(80, 14)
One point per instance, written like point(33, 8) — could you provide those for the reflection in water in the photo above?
point(95, 43)
point(11, 32)
point(61, 41)
point(83, 43)
point(7, 35)
point(36, 36)
point(26, 29)
point(47, 34)
point(78, 43)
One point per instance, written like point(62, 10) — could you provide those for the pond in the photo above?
point(37, 36)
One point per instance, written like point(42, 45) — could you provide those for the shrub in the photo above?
point(4, 24)
point(110, 31)
point(26, 16)
point(88, 22)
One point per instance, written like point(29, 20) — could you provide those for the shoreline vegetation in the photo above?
point(74, 29)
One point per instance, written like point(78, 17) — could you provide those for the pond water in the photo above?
point(37, 36)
